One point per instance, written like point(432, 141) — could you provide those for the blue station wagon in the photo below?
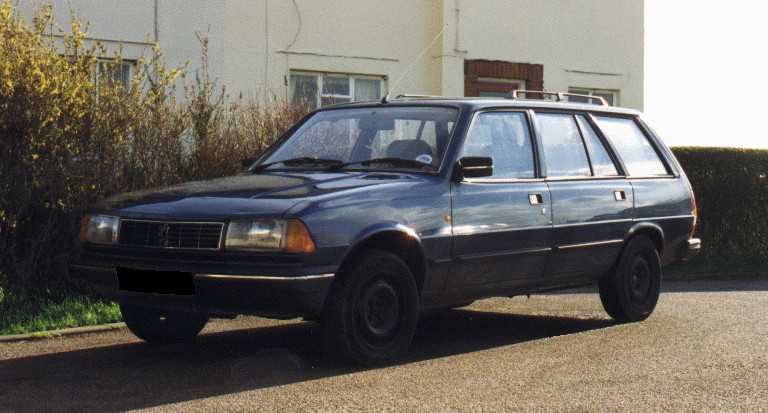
point(364, 214)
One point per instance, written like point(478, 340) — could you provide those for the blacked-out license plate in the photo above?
point(156, 282)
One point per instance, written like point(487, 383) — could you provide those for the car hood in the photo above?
point(248, 195)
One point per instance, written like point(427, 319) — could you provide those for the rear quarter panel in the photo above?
point(666, 203)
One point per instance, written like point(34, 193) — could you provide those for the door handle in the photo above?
point(620, 195)
point(535, 199)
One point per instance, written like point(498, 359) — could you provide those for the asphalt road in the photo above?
point(704, 349)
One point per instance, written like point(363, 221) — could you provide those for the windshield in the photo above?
point(380, 137)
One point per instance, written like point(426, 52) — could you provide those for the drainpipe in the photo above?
point(266, 50)
point(157, 35)
point(456, 47)
point(157, 27)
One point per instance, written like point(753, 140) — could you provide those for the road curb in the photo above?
point(63, 332)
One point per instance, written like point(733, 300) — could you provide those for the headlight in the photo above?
point(100, 229)
point(269, 235)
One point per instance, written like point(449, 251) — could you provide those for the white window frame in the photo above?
point(128, 65)
point(596, 92)
point(319, 76)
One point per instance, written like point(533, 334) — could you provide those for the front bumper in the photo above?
point(266, 290)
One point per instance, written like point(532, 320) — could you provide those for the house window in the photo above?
point(111, 73)
point(610, 96)
point(321, 89)
point(498, 87)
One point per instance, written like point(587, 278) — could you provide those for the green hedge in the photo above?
point(731, 189)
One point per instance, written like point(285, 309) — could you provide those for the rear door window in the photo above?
point(564, 151)
point(633, 146)
point(602, 164)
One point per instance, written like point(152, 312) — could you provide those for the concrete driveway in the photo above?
point(704, 348)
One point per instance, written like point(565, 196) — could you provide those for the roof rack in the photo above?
point(386, 99)
point(559, 96)
point(410, 96)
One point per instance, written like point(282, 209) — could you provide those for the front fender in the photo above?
point(393, 237)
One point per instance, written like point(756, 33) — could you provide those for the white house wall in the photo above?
point(585, 43)
point(255, 44)
point(596, 44)
point(266, 39)
point(133, 25)
point(180, 22)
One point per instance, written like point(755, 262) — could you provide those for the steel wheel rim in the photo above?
point(378, 311)
point(639, 279)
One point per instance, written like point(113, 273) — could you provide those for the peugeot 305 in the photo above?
point(364, 214)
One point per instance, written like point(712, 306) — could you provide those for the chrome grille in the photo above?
point(178, 235)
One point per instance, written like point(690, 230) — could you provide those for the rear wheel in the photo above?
point(372, 309)
point(161, 326)
point(630, 291)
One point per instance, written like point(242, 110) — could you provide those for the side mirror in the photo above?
point(472, 167)
point(247, 162)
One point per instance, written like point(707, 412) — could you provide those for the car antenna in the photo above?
point(385, 99)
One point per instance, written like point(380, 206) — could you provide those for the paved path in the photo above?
point(705, 348)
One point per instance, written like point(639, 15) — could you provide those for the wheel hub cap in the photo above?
point(381, 309)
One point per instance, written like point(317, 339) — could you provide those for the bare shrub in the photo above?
point(222, 133)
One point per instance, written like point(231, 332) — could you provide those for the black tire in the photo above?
point(161, 327)
point(630, 291)
point(372, 310)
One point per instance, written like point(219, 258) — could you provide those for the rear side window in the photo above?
point(639, 156)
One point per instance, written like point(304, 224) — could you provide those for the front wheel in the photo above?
point(372, 310)
point(159, 326)
point(630, 291)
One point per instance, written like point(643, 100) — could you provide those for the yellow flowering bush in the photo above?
point(69, 136)
point(45, 104)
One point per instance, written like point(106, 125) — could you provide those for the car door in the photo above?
point(592, 200)
point(501, 224)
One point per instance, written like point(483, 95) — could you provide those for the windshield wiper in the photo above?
point(412, 163)
point(301, 161)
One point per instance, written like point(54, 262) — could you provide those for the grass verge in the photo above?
point(70, 304)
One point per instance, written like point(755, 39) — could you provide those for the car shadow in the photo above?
point(138, 375)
